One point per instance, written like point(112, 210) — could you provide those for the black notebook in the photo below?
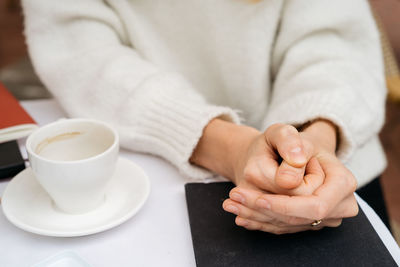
point(217, 241)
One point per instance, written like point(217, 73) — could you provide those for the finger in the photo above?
point(244, 212)
point(296, 206)
point(347, 208)
point(314, 168)
point(248, 197)
point(250, 214)
point(339, 183)
point(245, 196)
point(270, 228)
point(290, 177)
point(287, 141)
point(260, 172)
point(332, 222)
point(310, 207)
point(313, 179)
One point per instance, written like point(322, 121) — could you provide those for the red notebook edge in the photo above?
point(15, 122)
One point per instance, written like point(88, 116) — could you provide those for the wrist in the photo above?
point(324, 135)
point(221, 146)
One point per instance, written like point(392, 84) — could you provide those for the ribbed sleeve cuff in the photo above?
point(339, 106)
point(169, 123)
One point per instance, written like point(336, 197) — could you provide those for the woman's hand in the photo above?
point(275, 161)
point(283, 161)
point(331, 197)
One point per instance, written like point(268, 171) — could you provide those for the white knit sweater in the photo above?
point(160, 70)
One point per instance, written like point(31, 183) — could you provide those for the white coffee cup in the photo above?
point(73, 160)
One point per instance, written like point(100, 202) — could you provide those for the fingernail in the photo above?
point(296, 150)
point(237, 197)
point(297, 154)
point(232, 209)
point(262, 203)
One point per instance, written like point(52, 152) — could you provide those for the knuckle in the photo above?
point(321, 209)
point(279, 223)
point(352, 182)
point(285, 209)
point(355, 209)
point(343, 179)
point(291, 173)
point(248, 174)
point(244, 213)
point(308, 146)
point(347, 180)
point(286, 130)
point(273, 128)
point(292, 220)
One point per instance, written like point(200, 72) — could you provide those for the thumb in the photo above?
point(286, 140)
point(288, 176)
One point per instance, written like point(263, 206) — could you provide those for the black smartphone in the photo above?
point(11, 161)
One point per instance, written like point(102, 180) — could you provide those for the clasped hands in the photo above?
point(285, 179)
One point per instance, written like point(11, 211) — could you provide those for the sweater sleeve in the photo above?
point(80, 51)
point(327, 63)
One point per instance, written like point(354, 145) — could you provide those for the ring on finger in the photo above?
point(316, 223)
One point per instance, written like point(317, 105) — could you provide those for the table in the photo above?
point(158, 235)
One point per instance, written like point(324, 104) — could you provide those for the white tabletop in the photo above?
point(158, 235)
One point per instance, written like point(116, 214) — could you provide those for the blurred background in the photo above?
point(17, 74)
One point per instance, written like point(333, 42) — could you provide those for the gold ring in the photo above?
point(316, 223)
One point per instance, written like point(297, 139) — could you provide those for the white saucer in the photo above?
point(29, 207)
